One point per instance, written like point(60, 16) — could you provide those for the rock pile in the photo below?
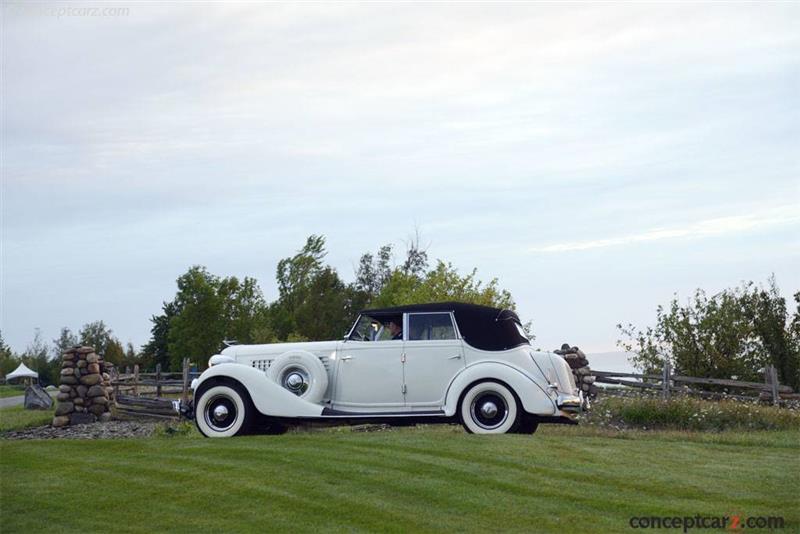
point(36, 398)
point(580, 368)
point(84, 393)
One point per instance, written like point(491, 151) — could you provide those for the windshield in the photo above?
point(369, 329)
point(522, 331)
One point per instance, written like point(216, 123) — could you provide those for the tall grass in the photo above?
point(684, 413)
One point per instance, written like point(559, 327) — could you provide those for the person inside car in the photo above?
point(395, 328)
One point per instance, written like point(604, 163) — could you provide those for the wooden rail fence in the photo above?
point(151, 394)
point(668, 383)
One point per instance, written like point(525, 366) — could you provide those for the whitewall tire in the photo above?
point(489, 408)
point(223, 411)
point(301, 373)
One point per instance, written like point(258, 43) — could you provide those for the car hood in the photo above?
point(314, 347)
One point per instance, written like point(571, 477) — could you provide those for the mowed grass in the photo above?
point(11, 391)
point(18, 418)
point(562, 479)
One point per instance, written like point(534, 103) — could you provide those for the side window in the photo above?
point(430, 326)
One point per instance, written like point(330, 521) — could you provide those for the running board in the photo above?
point(330, 412)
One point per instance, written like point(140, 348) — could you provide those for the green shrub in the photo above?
point(174, 428)
point(685, 413)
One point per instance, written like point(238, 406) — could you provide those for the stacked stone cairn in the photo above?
point(580, 368)
point(85, 393)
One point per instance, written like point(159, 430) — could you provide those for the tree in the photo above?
point(313, 302)
point(325, 312)
point(733, 333)
point(131, 357)
point(443, 283)
point(207, 310)
point(296, 272)
point(8, 360)
point(416, 256)
point(36, 357)
point(294, 275)
point(157, 349)
point(197, 329)
point(244, 308)
point(766, 309)
point(114, 352)
point(374, 272)
point(64, 342)
point(97, 335)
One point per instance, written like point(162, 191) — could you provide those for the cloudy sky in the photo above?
point(596, 158)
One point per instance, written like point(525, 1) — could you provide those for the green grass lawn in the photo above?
point(11, 391)
point(17, 418)
point(563, 479)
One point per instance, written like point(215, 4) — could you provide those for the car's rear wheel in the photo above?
point(489, 408)
point(223, 410)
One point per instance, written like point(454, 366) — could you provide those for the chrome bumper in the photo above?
point(184, 409)
point(572, 403)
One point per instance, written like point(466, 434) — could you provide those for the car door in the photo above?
point(433, 356)
point(369, 376)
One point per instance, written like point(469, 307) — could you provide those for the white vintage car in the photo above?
point(443, 362)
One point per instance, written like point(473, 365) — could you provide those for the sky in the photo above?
point(597, 158)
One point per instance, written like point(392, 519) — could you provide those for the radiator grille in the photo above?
point(261, 365)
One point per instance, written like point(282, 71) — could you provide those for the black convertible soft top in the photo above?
point(483, 327)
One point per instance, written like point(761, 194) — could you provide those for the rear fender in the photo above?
point(268, 397)
point(533, 397)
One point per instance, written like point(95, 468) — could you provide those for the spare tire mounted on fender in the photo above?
point(301, 373)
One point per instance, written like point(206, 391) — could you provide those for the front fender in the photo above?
point(533, 397)
point(267, 396)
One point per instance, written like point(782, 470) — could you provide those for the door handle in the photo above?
point(345, 358)
point(456, 357)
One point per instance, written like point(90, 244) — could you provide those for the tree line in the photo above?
point(732, 334)
point(313, 303)
point(45, 358)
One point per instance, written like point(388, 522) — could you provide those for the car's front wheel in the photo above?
point(489, 408)
point(223, 410)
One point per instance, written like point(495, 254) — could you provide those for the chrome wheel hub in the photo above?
point(220, 413)
point(489, 410)
point(296, 380)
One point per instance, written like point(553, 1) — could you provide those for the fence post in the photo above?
point(115, 382)
point(665, 378)
point(185, 385)
point(136, 380)
point(158, 380)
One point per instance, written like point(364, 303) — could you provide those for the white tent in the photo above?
point(22, 372)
